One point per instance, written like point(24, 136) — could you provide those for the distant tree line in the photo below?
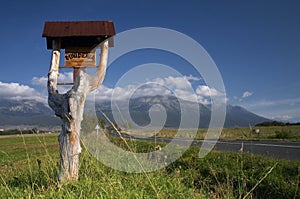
point(277, 123)
point(18, 131)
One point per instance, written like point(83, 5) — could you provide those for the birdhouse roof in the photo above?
point(78, 33)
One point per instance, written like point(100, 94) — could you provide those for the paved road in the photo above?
point(281, 150)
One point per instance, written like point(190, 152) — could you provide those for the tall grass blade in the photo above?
point(266, 175)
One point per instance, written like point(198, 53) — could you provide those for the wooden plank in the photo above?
point(65, 83)
point(80, 49)
point(75, 71)
point(79, 65)
point(111, 42)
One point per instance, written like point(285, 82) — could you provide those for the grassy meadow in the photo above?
point(275, 133)
point(28, 169)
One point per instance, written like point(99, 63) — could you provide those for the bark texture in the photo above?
point(69, 107)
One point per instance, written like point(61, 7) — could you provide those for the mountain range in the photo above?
point(16, 113)
point(33, 113)
point(236, 116)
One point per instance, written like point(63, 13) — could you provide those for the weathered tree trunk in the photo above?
point(69, 107)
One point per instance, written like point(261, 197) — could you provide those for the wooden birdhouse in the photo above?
point(79, 39)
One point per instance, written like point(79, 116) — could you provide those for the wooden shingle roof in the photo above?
point(78, 33)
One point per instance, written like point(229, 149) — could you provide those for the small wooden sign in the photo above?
point(80, 57)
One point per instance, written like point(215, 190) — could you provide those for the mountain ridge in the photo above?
point(236, 116)
point(34, 113)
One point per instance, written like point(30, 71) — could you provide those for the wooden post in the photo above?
point(75, 71)
point(69, 107)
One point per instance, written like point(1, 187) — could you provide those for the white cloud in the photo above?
point(172, 82)
point(179, 86)
point(204, 90)
point(65, 77)
point(192, 78)
point(39, 81)
point(42, 81)
point(247, 94)
point(119, 93)
point(18, 91)
point(282, 117)
point(279, 109)
point(280, 102)
point(186, 95)
point(12, 89)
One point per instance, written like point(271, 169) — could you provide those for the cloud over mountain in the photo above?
point(18, 91)
point(22, 99)
point(178, 86)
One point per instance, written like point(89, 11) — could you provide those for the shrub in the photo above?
point(282, 134)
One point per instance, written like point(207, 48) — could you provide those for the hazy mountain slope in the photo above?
point(236, 116)
point(26, 112)
point(30, 112)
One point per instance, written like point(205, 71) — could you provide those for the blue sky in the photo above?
point(255, 44)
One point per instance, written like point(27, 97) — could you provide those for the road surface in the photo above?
point(281, 150)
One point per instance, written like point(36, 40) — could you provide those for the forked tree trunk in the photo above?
point(69, 107)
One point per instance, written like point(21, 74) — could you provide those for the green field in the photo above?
point(275, 133)
point(218, 175)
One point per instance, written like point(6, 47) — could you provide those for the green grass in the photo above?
point(218, 175)
point(289, 133)
point(275, 133)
